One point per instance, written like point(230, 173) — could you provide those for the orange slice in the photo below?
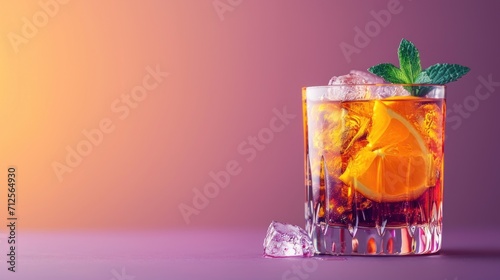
point(396, 163)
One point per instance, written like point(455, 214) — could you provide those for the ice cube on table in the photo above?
point(285, 240)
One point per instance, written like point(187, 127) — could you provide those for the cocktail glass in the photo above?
point(374, 168)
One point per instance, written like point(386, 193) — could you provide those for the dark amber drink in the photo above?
point(374, 172)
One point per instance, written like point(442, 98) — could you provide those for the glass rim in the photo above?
point(377, 85)
point(319, 93)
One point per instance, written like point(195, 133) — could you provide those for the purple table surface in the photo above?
point(232, 254)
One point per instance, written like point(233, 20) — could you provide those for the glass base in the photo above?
point(412, 240)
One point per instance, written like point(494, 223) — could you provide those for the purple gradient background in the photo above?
point(267, 52)
point(227, 76)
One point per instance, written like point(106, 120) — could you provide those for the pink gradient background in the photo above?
point(226, 76)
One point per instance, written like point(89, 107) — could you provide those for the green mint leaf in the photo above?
point(389, 72)
point(420, 91)
point(410, 71)
point(409, 60)
point(423, 78)
point(443, 73)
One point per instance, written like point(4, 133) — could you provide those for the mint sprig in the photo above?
point(443, 73)
point(409, 60)
point(410, 70)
